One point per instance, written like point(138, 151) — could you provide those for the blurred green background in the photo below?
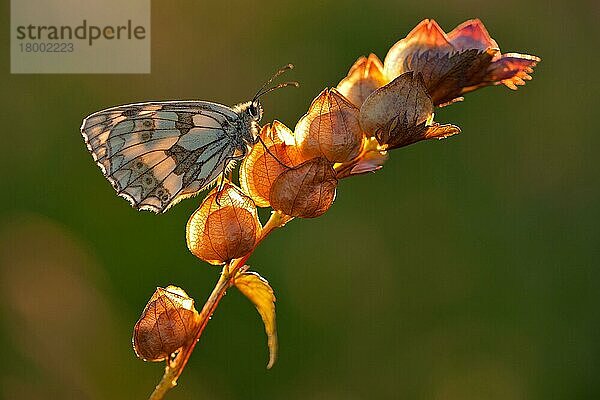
point(465, 269)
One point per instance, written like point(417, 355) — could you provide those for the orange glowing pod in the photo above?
point(330, 129)
point(364, 77)
point(401, 113)
point(169, 322)
point(225, 227)
point(305, 191)
point(267, 160)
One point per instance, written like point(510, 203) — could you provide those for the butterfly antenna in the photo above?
point(280, 71)
point(281, 85)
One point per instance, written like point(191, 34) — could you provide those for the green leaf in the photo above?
point(259, 292)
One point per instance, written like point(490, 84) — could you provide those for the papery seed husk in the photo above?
point(307, 191)
point(260, 169)
point(222, 230)
point(330, 129)
point(168, 322)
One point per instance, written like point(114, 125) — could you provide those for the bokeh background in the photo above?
point(465, 269)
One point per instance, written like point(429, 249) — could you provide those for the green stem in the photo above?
point(175, 367)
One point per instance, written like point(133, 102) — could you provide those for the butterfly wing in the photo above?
point(155, 154)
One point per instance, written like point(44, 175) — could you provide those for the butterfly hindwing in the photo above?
point(155, 154)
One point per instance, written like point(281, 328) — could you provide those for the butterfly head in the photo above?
point(252, 111)
point(255, 110)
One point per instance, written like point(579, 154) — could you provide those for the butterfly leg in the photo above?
point(271, 154)
point(221, 184)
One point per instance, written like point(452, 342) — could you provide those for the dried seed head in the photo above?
point(456, 63)
point(330, 129)
point(306, 191)
point(364, 77)
point(169, 322)
point(260, 169)
point(401, 113)
point(445, 69)
point(225, 227)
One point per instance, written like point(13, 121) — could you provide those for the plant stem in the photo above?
point(175, 367)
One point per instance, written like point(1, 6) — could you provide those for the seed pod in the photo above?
point(260, 169)
point(306, 191)
point(364, 77)
point(225, 227)
point(330, 129)
point(169, 322)
point(401, 113)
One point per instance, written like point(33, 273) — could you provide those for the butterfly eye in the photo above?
point(255, 110)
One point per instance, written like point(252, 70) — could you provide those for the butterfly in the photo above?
point(157, 153)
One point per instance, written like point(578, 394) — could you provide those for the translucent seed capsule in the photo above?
point(225, 227)
point(330, 129)
point(401, 113)
point(306, 191)
point(169, 322)
point(267, 161)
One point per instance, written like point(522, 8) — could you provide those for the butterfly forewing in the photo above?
point(155, 154)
